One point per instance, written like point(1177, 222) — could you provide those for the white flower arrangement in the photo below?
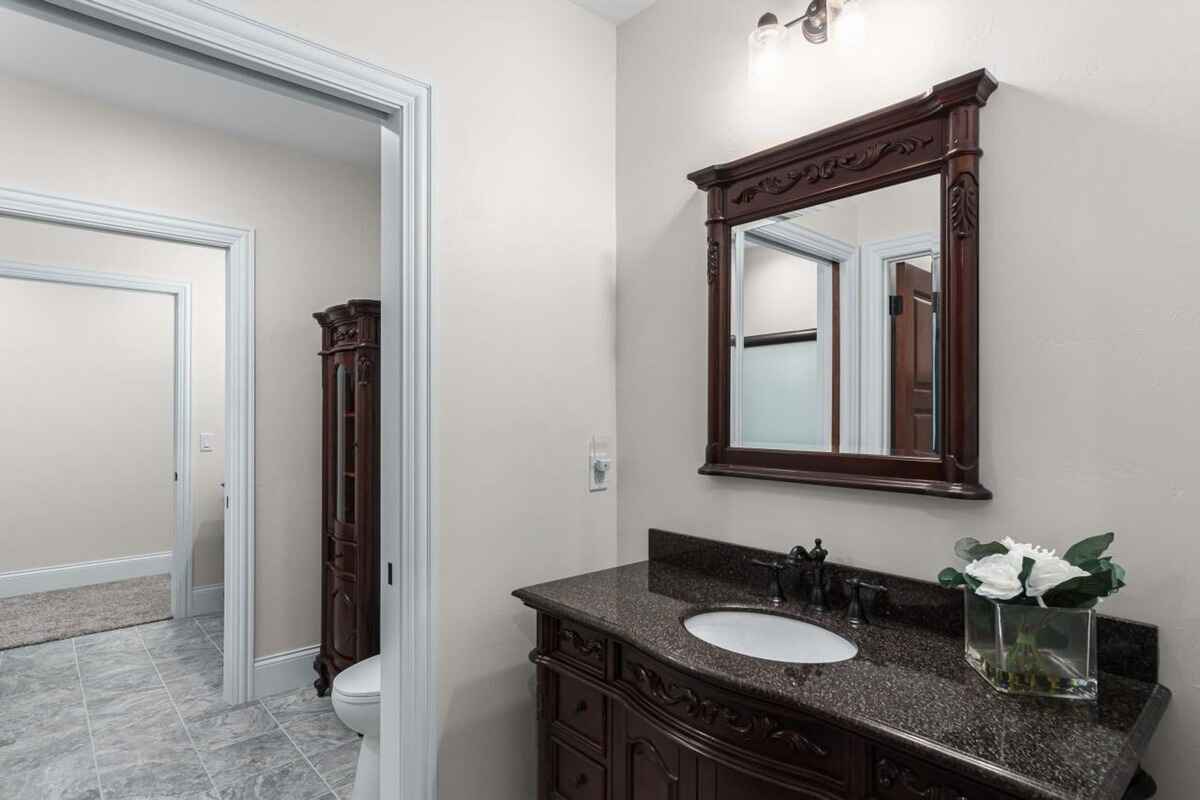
point(1012, 572)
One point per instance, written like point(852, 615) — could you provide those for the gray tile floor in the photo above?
point(137, 714)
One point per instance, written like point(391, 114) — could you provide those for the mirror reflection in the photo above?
point(834, 321)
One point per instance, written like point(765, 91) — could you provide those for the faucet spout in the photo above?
point(800, 554)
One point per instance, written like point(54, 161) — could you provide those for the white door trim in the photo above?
point(181, 297)
point(875, 355)
point(238, 244)
point(408, 611)
point(792, 234)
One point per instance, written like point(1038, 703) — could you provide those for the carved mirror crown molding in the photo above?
point(935, 134)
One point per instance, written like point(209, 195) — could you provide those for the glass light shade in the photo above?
point(850, 24)
point(766, 36)
point(766, 43)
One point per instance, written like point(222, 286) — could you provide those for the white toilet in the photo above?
point(356, 701)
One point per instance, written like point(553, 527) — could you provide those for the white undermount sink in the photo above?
point(770, 636)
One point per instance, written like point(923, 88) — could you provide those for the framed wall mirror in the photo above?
point(843, 272)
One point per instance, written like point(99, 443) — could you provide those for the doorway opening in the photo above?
point(246, 51)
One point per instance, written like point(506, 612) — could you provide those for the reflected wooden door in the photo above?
point(913, 309)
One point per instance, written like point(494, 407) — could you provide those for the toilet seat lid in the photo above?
point(360, 680)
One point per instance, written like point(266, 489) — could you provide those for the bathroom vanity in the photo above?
point(631, 706)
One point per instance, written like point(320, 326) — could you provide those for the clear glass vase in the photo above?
point(1024, 649)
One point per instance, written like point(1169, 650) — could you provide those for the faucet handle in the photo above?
point(775, 589)
point(855, 615)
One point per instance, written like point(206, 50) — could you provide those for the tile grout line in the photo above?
point(87, 717)
point(307, 760)
point(207, 636)
point(186, 732)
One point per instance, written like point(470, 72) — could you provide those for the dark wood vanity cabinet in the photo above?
point(350, 488)
point(617, 724)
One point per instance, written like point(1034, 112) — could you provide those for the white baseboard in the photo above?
point(283, 672)
point(208, 599)
point(85, 573)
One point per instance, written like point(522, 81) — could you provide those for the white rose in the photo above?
point(1048, 573)
point(1027, 550)
point(999, 575)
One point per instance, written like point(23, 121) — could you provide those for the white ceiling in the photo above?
point(37, 50)
point(616, 10)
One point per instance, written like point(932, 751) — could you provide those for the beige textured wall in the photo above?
point(523, 239)
point(204, 269)
point(1089, 368)
point(317, 244)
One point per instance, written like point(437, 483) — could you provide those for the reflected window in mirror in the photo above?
point(834, 314)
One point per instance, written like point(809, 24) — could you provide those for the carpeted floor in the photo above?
point(66, 613)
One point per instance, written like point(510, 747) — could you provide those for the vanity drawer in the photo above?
point(790, 741)
point(895, 776)
point(580, 645)
point(581, 709)
point(575, 776)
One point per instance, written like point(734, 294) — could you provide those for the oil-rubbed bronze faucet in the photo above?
point(795, 558)
point(798, 555)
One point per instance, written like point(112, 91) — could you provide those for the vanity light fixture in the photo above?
point(814, 24)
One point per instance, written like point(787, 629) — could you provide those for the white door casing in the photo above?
point(241, 48)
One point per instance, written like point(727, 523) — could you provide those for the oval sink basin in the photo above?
point(770, 636)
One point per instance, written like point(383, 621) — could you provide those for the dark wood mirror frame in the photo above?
point(934, 134)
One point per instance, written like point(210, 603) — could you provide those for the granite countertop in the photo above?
point(908, 684)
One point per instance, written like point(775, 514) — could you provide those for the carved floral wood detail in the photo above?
point(714, 259)
point(345, 333)
point(964, 205)
point(828, 168)
point(888, 774)
point(748, 725)
point(364, 368)
point(587, 648)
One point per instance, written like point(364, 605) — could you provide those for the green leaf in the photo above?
point(1081, 592)
point(1118, 573)
point(969, 549)
point(1026, 568)
point(971, 583)
point(950, 578)
point(964, 546)
point(1088, 549)
point(1094, 565)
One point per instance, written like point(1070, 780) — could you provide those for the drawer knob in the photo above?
point(581, 707)
point(581, 781)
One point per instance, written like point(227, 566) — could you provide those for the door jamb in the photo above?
point(238, 244)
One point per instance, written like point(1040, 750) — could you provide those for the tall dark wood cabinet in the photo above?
point(350, 487)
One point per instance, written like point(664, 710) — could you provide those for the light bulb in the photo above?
point(850, 24)
point(767, 42)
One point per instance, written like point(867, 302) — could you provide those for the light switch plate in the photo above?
point(206, 442)
point(599, 464)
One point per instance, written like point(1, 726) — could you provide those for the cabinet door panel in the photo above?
point(343, 613)
point(652, 764)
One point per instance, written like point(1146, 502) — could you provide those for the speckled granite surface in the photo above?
point(908, 684)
